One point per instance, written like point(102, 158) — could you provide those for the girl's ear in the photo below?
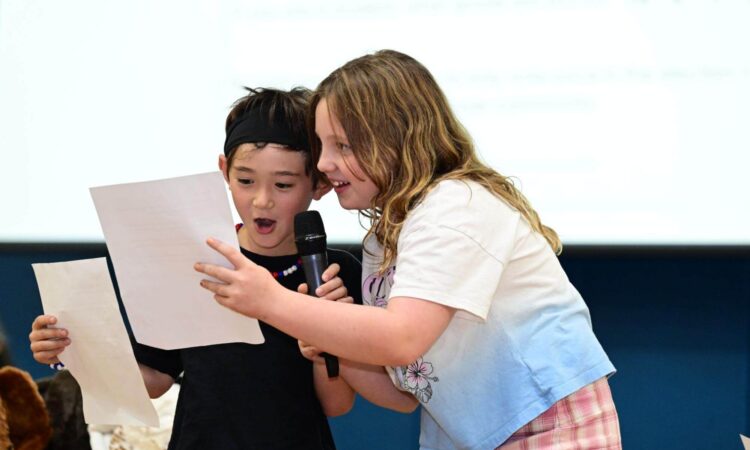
point(321, 189)
point(223, 167)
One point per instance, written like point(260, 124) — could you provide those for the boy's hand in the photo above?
point(310, 352)
point(46, 342)
point(332, 288)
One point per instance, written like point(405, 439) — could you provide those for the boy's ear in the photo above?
point(223, 167)
point(321, 189)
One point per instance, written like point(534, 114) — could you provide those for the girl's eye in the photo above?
point(244, 181)
point(283, 185)
point(343, 147)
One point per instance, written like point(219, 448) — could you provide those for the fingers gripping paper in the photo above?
point(81, 296)
point(155, 232)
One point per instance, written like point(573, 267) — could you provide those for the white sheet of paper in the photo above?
point(100, 358)
point(745, 442)
point(156, 231)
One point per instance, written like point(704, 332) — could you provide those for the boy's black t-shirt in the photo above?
point(243, 396)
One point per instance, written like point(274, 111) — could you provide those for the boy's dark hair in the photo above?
point(267, 115)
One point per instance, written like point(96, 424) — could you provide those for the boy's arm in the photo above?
point(335, 395)
point(159, 368)
point(47, 343)
point(157, 383)
point(370, 381)
point(374, 384)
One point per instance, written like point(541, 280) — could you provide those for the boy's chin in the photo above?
point(274, 247)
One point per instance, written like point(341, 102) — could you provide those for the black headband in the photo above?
point(257, 125)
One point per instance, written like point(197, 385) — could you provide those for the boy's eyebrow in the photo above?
point(288, 173)
point(243, 169)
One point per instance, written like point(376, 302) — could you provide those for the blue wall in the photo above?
point(675, 322)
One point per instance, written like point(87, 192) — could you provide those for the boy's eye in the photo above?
point(283, 185)
point(244, 181)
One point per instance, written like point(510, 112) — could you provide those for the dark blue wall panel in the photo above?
point(675, 322)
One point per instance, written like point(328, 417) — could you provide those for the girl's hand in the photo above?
point(247, 288)
point(332, 288)
point(46, 342)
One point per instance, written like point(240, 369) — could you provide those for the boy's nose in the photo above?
point(263, 200)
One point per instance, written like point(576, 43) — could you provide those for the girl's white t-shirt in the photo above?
point(521, 337)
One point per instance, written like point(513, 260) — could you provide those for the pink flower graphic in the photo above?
point(417, 375)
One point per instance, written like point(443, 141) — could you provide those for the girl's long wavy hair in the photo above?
point(406, 139)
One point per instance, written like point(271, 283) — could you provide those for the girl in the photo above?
point(475, 316)
point(242, 396)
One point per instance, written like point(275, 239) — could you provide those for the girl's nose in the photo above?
point(325, 163)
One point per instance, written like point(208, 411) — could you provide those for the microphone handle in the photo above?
point(314, 265)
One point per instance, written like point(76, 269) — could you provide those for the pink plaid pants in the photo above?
point(584, 420)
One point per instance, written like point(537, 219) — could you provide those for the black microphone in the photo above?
point(310, 237)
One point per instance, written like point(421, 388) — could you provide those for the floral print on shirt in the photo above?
point(416, 377)
point(377, 287)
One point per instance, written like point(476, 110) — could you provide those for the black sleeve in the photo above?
point(351, 272)
point(165, 361)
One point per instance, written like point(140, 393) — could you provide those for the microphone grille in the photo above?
point(308, 223)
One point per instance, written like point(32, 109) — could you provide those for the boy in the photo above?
point(241, 396)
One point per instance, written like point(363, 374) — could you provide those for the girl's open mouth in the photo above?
point(339, 186)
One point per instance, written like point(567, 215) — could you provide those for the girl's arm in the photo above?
point(394, 336)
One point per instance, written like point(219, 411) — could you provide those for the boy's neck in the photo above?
point(247, 245)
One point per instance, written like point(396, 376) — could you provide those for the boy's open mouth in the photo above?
point(264, 226)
